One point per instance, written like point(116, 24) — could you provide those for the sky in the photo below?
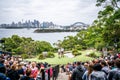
point(61, 12)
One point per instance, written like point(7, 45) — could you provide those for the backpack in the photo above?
point(117, 75)
point(3, 77)
point(26, 78)
point(13, 75)
point(79, 73)
point(97, 78)
point(105, 72)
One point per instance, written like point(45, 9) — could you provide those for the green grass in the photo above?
point(65, 60)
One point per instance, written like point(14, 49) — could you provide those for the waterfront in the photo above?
point(49, 37)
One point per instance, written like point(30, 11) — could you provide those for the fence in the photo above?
point(55, 73)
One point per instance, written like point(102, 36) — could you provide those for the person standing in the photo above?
point(12, 73)
point(104, 50)
point(105, 67)
point(2, 73)
point(28, 75)
point(62, 52)
point(97, 73)
point(88, 72)
point(117, 73)
point(77, 72)
point(59, 53)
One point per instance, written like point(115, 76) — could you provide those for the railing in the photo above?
point(55, 70)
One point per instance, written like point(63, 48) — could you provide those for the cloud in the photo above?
point(62, 12)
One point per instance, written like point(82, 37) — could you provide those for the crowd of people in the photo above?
point(13, 69)
point(103, 68)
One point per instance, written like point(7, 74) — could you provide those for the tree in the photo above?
point(22, 45)
point(69, 42)
point(109, 19)
point(41, 46)
point(113, 3)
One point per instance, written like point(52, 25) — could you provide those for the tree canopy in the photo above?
point(22, 45)
point(104, 32)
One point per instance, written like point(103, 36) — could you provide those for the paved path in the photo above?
point(62, 76)
point(69, 55)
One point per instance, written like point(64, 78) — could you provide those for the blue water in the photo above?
point(49, 37)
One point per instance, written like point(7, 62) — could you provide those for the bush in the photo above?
point(75, 52)
point(79, 53)
point(110, 48)
point(84, 47)
point(41, 56)
point(13, 53)
point(78, 47)
point(50, 55)
point(92, 55)
point(24, 56)
point(118, 49)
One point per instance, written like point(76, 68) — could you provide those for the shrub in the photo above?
point(79, 53)
point(13, 53)
point(75, 52)
point(78, 47)
point(92, 55)
point(50, 55)
point(24, 56)
point(118, 49)
point(41, 56)
point(84, 47)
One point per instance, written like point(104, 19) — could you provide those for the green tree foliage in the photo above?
point(50, 55)
point(41, 56)
point(41, 46)
point(20, 45)
point(92, 55)
point(25, 56)
point(104, 32)
point(113, 3)
point(69, 42)
point(109, 19)
point(75, 52)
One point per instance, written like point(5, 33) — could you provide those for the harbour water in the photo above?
point(49, 37)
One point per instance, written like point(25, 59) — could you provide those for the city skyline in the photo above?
point(63, 12)
point(37, 24)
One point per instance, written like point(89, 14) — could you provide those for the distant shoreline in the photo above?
point(53, 30)
point(43, 30)
point(17, 28)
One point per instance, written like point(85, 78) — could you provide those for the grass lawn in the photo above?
point(65, 60)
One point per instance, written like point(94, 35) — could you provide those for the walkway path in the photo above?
point(69, 55)
point(62, 76)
